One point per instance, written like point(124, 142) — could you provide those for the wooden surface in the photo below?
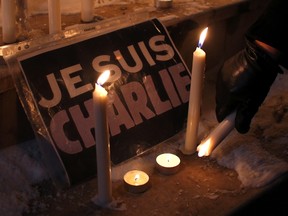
point(201, 187)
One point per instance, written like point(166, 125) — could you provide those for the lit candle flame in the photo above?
point(204, 148)
point(136, 177)
point(202, 37)
point(103, 77)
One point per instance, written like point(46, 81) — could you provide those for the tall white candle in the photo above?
point(216, 136)
point(102, 142)
point(8, 11)
point(87, 7)
point(198, 68)
point(54, 14)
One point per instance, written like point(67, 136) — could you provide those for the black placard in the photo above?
point(148, 93)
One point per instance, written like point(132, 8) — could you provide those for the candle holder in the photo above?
point(136, 181)
point(168, 163)
point(163, 4)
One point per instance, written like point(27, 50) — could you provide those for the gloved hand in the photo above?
point(243, 83)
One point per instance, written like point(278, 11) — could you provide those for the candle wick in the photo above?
point(136, 178)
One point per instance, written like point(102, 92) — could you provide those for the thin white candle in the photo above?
point(54, 14)
point(102, 142)
point(87, 7)
point(198, 68)
point(216, 136)
point(8, 11)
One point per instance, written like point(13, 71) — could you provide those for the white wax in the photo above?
point(87, 8)
point(8, 11)
point(54, 14)
point(167, 163)
point(198, 67)
point(136, 181)
point(102, 146)
point(216, 136)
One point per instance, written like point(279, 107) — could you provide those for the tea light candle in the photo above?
point(163, 3)
point(167, 163)
point(136, 181)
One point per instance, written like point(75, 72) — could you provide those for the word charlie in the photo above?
point(130, 104)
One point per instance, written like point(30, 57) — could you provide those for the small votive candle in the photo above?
point(163, 3)
point(167, 163)
point(136, 181)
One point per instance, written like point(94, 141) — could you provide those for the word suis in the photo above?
point(159, 90)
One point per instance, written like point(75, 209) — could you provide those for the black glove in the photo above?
point(243, 83)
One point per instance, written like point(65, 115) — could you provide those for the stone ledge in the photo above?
point(199, 13)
